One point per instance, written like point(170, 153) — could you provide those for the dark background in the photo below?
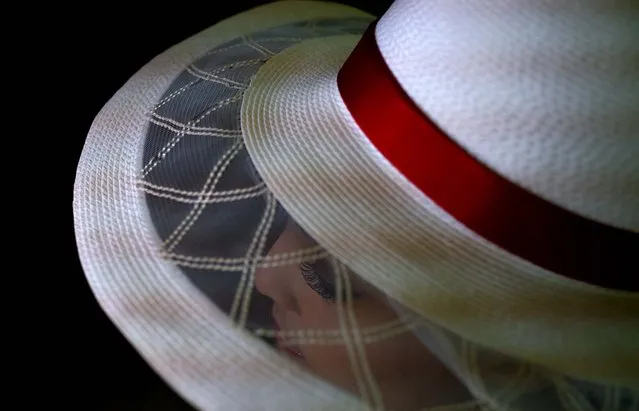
point(98, 47)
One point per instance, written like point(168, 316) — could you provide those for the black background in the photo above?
point(90, 51)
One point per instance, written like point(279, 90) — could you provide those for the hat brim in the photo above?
point(186, 339)
point(333, 181)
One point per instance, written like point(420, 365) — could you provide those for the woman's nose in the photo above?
point(273, 283)
point(269, 283)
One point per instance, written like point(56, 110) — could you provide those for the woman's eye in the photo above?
point(314, 280)
point(317, 283)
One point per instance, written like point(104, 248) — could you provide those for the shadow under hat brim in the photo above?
point(342, 191)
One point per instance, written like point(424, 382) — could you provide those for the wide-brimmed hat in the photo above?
point(439, 208)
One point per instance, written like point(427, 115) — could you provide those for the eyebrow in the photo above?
point(357, 284)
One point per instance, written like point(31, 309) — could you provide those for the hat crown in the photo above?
point(544, 93)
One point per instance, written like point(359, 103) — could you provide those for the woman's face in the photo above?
point(406, 373)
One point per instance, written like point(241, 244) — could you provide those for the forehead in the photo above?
point(292, 238)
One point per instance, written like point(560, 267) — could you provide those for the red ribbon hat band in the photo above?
point(503, 213)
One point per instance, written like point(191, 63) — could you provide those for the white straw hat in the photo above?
point(457, 184)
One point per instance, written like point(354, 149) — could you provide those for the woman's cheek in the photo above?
point(331, 362)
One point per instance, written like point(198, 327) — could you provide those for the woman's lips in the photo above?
point(292, 351)
point(285, 346)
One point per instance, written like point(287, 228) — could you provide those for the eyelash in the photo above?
point(318, 284)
